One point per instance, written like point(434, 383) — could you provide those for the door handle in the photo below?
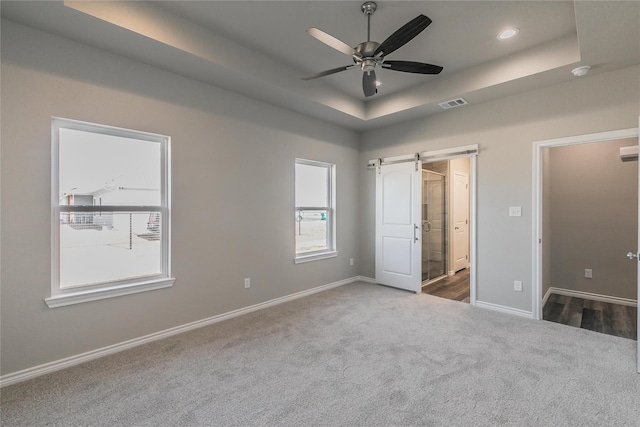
point(632, 255)
point(415, 233)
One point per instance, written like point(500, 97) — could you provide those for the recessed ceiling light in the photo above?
point(508, 33)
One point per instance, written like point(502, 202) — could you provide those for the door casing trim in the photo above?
point(536, 238)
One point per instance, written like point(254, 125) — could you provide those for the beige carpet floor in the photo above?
point(358, 355)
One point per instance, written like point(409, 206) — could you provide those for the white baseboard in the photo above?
point(452, 273)
point(546, 296)
point(57, 365)
point(504, 309)
point(590, 296)
point(366, 279)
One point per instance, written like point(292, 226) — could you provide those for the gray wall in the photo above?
point(232, 195)
point(505, 130)
point(593, 198)
point(232, 171)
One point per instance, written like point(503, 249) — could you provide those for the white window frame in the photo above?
point(331, 250)
point(79, 294)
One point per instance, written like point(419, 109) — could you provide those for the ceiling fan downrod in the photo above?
point(368, 8)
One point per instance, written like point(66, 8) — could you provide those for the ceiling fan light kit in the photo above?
point(369, 55)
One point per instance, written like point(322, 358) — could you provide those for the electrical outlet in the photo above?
point(350, 261)
point(247, 283)
point(515, 210)
point(517, 285)
point(588, 273)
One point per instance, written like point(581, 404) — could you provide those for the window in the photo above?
point(315, 210)
point(110, 212)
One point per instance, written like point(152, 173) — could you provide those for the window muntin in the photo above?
point(110, 199)
point(314, 208)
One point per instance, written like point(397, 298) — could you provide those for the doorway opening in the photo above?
point(398, 235)
point(434, 225)
point(541, 234)
point(445, 229)
point(590, 221)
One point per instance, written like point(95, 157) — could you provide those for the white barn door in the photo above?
point(398, 219)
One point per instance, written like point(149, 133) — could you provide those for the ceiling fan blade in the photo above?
point(328, 72)
point(412, 67)
point(369, 83)
point(402, 36)
point(331, 41)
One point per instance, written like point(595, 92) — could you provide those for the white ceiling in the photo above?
point(260, 48)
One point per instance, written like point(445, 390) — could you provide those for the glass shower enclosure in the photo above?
point(434, 226)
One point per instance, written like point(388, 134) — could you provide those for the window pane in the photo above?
point(311, 231)
point(312, 184)
point(98, 169)
point(105, 246)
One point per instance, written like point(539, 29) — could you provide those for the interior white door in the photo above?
point(460, 220)
point(398, 245)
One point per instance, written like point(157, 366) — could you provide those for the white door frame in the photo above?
point(536, 240)
point(470, 151)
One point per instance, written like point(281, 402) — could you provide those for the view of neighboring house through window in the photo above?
point(110, 206)
point(315, 210)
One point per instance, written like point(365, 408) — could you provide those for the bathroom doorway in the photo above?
point(445, 229)
point(399, 234)
point(434, 226)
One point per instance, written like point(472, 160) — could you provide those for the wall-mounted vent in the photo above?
point(458, 102)
point(629, 154)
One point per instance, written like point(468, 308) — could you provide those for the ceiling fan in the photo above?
point(368, 55)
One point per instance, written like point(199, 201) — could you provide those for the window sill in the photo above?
point(307, 258)
point(69, 298)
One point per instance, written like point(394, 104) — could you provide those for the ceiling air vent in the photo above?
point(458, 102)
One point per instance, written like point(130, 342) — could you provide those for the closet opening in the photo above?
point(590, 222)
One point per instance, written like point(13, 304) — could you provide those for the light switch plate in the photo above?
point(515, 210)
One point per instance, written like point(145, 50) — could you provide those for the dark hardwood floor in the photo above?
point(456, 287)
point(611, 319)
